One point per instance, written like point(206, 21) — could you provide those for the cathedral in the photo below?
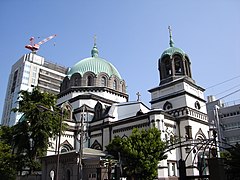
point(94, 93)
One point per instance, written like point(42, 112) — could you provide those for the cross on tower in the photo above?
point(171, 43)
point(95, 40)
point(170, 32)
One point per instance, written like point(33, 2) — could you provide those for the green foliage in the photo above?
point(7, 159)
point(140, 152)
point(233, 161)
point(38, 123)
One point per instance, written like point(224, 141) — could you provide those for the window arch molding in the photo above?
point(103, 80)
point(89, 79)
point(75, 79)
point(65, 84)
point(115, 83)
point(96, 145)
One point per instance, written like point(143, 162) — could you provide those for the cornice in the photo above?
point(92, 89)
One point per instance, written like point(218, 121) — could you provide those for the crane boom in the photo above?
point(34, 47)
point(46, 39)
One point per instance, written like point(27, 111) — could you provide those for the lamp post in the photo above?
point(80, 152)
point(63, 106)
point(59, 142)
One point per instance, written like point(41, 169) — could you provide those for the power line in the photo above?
point(229, 94)
point(223, 82)
point(227, 90)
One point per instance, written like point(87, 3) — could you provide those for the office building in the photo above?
point(29, 71)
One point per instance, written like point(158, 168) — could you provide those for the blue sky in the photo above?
point(131, 34)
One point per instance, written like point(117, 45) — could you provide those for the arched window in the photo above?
point(178, 65)
point(65, 84)
point(75, 79)
point(103, 81)
point(115, 84)
point(168, 67)
point(89, 81)
point(98, 111)
point(123, 88)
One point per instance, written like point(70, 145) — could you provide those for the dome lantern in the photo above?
point(174, 63)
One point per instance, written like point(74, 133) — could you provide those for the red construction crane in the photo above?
point(34, 47)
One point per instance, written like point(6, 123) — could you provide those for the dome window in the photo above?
point(115, 85)
point(89, 81)
point(103, 81)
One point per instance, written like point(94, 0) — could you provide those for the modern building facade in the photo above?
point(29, 71)
point(97, 95)
point(225, 119)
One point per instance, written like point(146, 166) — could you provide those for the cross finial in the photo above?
point(170, 31)
point(171, 43)
point(95, 40)
point(94, 51)
point(138, 96)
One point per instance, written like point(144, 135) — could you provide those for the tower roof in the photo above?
point(172, 50)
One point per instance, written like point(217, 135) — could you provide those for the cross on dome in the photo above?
point(94, 51)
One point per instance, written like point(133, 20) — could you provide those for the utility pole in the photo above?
point(59, 139)
point(80, 152)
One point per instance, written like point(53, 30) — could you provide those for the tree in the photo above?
point(7, 158)
point(140, 153)
point(31, 134)
point(232, 156)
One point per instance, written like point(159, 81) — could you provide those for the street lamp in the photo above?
point(80, 152)
point(63, 107)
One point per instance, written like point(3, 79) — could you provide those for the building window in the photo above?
point(169, 171)
point(89, 81)
point(33, 80)
point(115, 84)
point(197, 105)
point(35, 68)
point(188, 130)
point(103, 81)
point(178, 68)
point(167, 106)
point(14, 81)
point(173, 169)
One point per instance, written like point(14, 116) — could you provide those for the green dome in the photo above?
point(172, 50)
point(94, 64)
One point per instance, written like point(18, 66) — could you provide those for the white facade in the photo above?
point(29, 71)
point(178, 110)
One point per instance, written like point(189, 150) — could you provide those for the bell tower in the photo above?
point(174, 63)
point(177, 90)
point(179, 96)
